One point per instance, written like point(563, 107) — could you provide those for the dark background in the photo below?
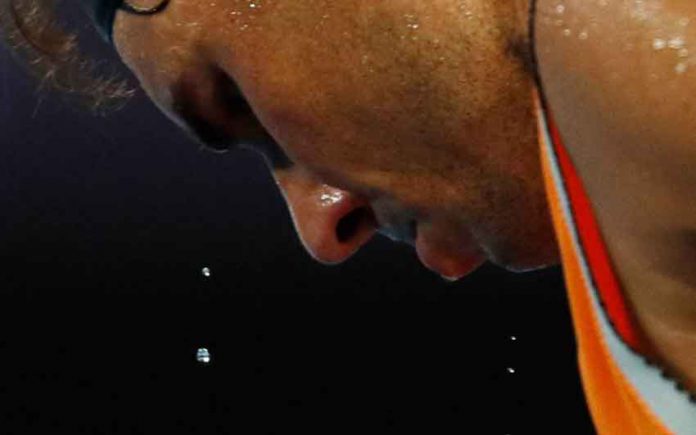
point(105, 224)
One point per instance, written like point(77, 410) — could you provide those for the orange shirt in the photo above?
point(626, 393)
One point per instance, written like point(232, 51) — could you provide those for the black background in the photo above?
point(105, 225)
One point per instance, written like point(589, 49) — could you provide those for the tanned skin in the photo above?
point(415, 119)
point(624, 98)
point(417, 113)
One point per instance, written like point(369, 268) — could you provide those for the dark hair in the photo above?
point(52, 54)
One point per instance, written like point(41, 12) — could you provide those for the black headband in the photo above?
point(103, 13)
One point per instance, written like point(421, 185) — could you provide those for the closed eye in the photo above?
point(209, 134)
point(217, 116)
point(208, 110)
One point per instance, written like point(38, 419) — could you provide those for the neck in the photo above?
point(520, 44)
point(521, 9)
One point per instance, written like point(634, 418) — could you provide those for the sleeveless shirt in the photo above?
point(626, 392)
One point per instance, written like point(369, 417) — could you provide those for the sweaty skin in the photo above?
point(623, 95)
point(400, 115)
point(417, 113)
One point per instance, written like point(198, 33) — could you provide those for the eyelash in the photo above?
point(274, 154)
point(233, 97)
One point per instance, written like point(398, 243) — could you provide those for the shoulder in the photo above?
point(633, 61)
point(620, 80)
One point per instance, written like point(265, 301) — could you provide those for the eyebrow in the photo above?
point(213, 136)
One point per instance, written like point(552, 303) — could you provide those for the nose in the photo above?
point(331, 223)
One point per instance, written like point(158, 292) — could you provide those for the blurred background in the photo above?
point(105, 227)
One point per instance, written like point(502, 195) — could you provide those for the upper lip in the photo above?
point(405, 231)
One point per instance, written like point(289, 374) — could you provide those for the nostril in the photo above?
point(350, 224)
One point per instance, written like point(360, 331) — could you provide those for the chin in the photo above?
point(528, 261)
point(528, 268)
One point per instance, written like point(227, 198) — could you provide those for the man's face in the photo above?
point(411, 118)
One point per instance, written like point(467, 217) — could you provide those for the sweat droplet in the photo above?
point(203, 356)
point(676, 43)
point(328, 199)
point(206, 272)
point(659, 44)
point(680, 68)
point(510, 370)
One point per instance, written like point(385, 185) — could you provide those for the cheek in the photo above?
point(292, 112)
point(293, 126)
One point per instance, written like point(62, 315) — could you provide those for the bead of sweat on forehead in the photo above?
point(103, 13)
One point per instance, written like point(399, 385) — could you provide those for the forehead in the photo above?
point(190, 26)
point(287, 45)
point(239, 17)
